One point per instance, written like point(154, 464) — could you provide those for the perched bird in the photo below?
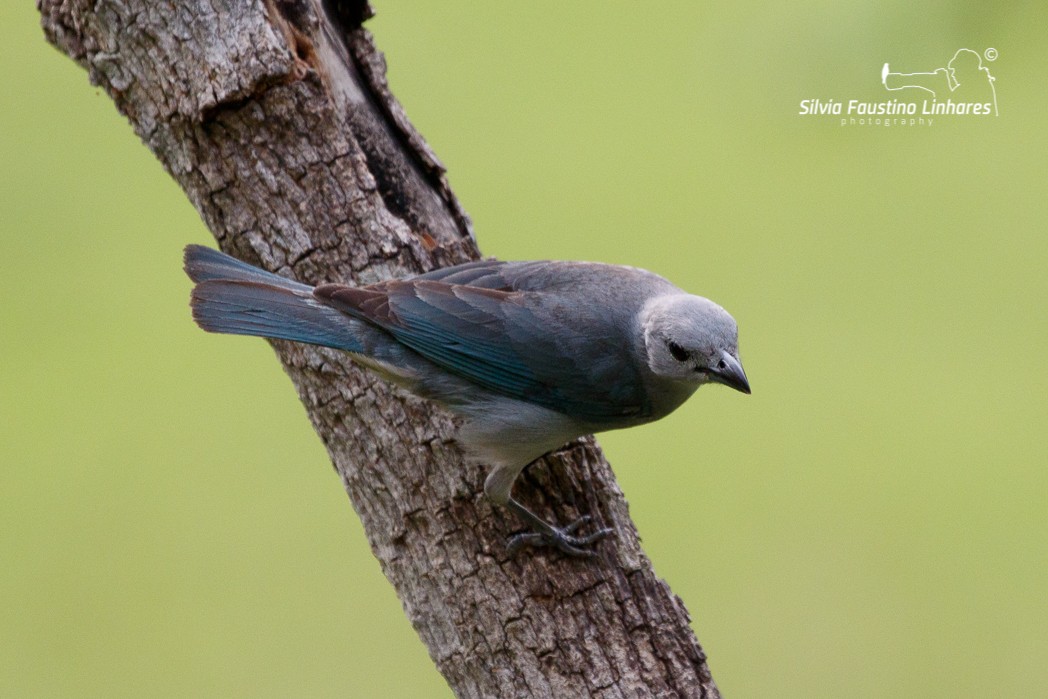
point(530, 354)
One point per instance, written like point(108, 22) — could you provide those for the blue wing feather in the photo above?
point(515, 343)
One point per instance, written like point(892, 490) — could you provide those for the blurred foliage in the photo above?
point(871, 521)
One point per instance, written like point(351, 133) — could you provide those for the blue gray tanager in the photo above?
point(530, 354)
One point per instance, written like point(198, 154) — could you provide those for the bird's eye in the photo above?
point(678, 352)
point(722, 365)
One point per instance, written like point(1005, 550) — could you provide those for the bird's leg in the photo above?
point(544, 534)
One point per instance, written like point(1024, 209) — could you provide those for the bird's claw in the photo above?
point(562, 539)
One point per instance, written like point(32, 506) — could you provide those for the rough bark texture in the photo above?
point(275, 118)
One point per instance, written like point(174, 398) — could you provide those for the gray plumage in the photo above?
point(530, 354)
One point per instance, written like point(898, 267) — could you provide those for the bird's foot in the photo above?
point(561, 538)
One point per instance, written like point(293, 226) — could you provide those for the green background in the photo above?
point(870, 522)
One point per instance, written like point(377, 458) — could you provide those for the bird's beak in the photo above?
point(732, 374)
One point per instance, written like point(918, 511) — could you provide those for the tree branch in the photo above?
point(275, 118)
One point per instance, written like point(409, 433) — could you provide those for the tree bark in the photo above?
point(275, 118)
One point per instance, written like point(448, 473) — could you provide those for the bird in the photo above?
point(529, 354)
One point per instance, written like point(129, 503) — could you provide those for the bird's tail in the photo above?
point(236, 298)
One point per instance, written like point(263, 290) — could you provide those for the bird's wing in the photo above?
point(511, 342)
point(487, 274)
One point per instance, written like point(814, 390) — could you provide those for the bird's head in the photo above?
point(693, 340)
